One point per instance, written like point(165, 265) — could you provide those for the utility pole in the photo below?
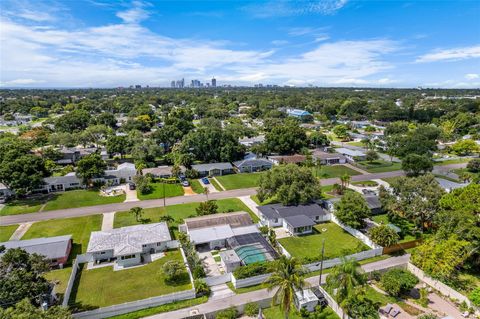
point(164, 205)
point(321, 263)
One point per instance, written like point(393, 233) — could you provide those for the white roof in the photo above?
point(305, 296)
point(349, 152)
point(128, 240)
point(245, 230)
point(206, 235)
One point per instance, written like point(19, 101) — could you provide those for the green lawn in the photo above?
point(452, 161)
point(365, 183)
point(337, 243)
point(178, 212)
point(6, 232)
point(22, 206)
point(242, 180)
point(103, 287)
point(60, 278)
point(330, 171)
point(379, 166)
point(378, 297)
point(275, 313)
point(196, 186)
point(390, 179)
point(359, 144)
point(171, 190)
point(406, 226)
point(79, 227)
point(215, 184)
point(80, 198)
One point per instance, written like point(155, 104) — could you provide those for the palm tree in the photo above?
point(345, 179)
point(206, 191)
point(344, 277)
point(138, 212)
point(286, 278)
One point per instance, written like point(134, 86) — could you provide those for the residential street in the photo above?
point(263, 297)
point(100, 209)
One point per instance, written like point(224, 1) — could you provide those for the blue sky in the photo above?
point(100, 43)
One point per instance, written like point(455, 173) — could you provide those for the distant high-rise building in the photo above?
point(214, 82)
point(196, 84)
point(172, 84)
point(180, 84)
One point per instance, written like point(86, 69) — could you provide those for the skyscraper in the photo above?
point(172, 84)
point(214, 82)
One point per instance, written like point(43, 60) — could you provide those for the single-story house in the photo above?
point(253, 165)
point(161, 171)
point(298, 113)
point(61, 183)
point(287, 159)
point(55, 249)
point(328, 158)
point(71, 155)
point(351, 155)
point(123, 173)
point(295, 219)
point(250, 141)
point(213, 169)
point(129, 245)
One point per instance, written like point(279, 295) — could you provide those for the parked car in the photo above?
point(185, 183)
point(132, 186)
point(205, 180)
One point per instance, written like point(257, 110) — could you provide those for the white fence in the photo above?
point(333, 304)
point(217, 280)
point(356, 233)
point(71, 281)
point(135, 305)
point(444, 289)
point(251, 281)
point(336, 261)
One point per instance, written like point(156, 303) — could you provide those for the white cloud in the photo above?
point(279, 42)
point(283, 8)
point(451, 54)
point(472, 76)
point(135, 14)
point(20, 82)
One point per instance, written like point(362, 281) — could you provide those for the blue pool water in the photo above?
point(250, 254)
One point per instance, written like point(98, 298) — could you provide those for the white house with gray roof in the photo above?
point(213, 169)
point(129, 246)
point(253, 165)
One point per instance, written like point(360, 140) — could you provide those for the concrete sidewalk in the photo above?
point(107, 221)
point(250, 203)
point(20, 231)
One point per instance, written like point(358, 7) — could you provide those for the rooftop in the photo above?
point(252, 162)
point(299, 221)
point(349, 152)
point(210, 166)
point(297, 158)
point(50, 247)
point(279, 211)
point(236, 219)
point(128, 240)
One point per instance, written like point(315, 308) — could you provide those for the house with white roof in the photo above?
point(129, 246)
point(351, 155)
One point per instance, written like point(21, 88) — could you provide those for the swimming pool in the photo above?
point(250, 254)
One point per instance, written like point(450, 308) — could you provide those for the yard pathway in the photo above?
point(188, 191)
point(361, 171)
point(250, 203)
point(107, 221)
point(99, 209)
point(443, 306)
point(131, 194)
point(220, 292)
point(211, 188)
point(219, 184)
point(263, 295)
point(20, 231)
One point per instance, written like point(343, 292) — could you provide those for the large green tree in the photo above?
point(91, 166)
point(352, 209)
point(25, 310)
point(290, 184)
point(287, 138)
point(75, 120)
point(415, 165)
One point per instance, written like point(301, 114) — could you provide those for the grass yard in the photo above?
point(171, 190)
point(215, 184)
point(60, 278)
point(104, 287)
point(22, 206)
point(337, 243)
point(241, 180)
point(329, 171)
point(268, 201)
point(196, 186)
point(406, 226)
point(275, 313)
point(79, 227)
point(365, 184)
point(378, 297)
point(178, 212)
point(380, 166)
point(80, 198)
point(452, 161)
point(6, 232)
point(390, 179)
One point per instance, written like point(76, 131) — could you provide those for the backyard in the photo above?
point(103, 287)
point(330, 171)
point(157, 189)
point(337, 243)
point(79, 227)
point(6, 232)
point(80, 198)
point(178, 212)
point(242, 180)
point(379, 166)
point(407, 227)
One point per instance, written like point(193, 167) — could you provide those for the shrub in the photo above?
point(383, 235)
point(230, 313)
point(398, 281)
point(173, 269)
point(251, 270)
point(427, 316)
point(474, 165)
point(251, 309)
point(201, 288)
point(475, 296)
point(207, 208)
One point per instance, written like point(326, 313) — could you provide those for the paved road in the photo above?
point(100, 209)
point(263, 296)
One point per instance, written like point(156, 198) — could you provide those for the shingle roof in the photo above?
point(235, 219)
point(210, 166)
point(325, 155)
point(297, 158)
point(279, 211)
point(299, 221)
point(128, 240)
point(67, 179)
point(373, 202)
point(50, 247)
point(252, 162)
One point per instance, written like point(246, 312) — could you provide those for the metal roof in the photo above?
point(349, 152)
point(128, 240)
point(235, 219)
point(50, 247)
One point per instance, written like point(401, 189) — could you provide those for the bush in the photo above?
point(207, 208)
point(201, 288)
point(251, 309)
point(475, 296)
point(428, 316)
point(398, 281)
point(474, 165)
point(173, 270)
point(251, 270)
point(383, 235)
point(230, 313)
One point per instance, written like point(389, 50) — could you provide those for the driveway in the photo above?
point(211, 188)
point(131, 194)
point(188, 191)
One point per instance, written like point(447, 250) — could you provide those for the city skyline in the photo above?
point(99, 43)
